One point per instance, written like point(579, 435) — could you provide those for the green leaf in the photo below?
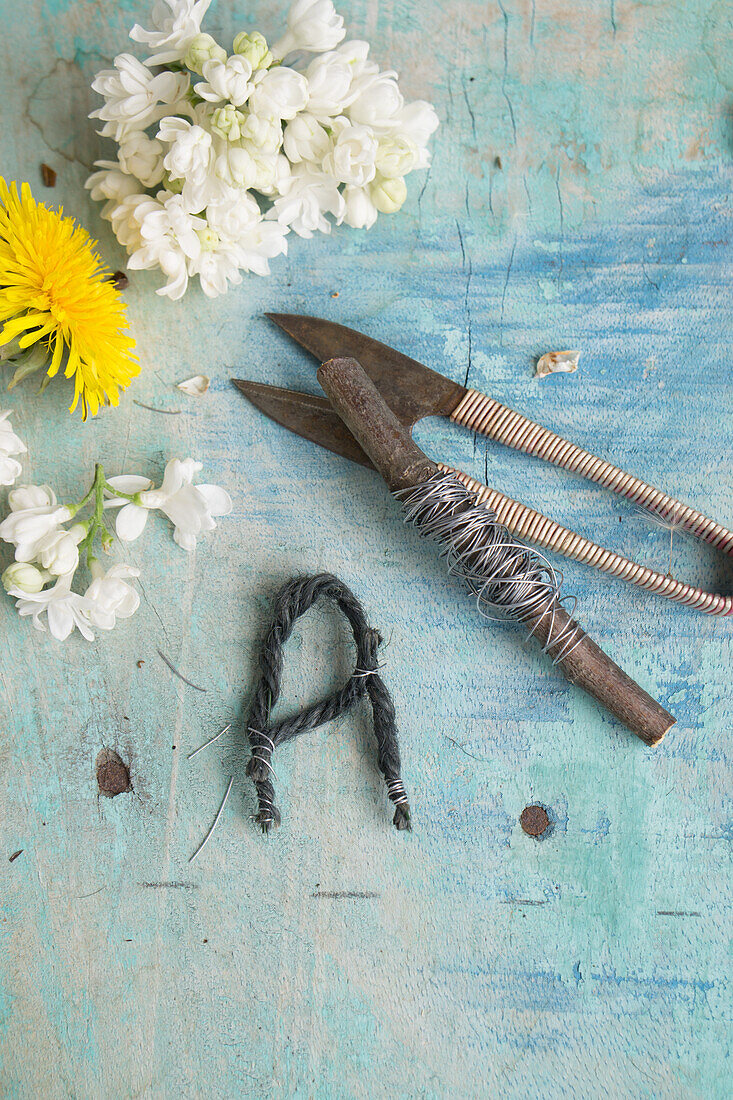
point(28, 363)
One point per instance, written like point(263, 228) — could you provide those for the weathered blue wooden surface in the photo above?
point(478, 962)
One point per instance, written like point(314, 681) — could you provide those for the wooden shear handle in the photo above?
point(403, 465)
point(485, 415)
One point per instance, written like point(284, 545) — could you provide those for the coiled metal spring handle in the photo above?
point(483, 414)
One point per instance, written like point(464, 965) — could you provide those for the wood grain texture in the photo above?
point(579, 197)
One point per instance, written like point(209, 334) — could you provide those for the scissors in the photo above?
point(413, 391)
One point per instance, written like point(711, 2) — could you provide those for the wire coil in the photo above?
point(509, 579)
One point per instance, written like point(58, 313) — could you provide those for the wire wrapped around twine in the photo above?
point(292, 601)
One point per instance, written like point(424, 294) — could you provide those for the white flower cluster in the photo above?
point(221, 155)
point(47, 544)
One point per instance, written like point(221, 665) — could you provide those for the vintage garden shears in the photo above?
point(414, 391)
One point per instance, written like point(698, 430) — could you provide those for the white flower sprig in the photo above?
point(221, 155)
point(51, 542)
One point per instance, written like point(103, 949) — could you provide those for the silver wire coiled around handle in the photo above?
point(508, 578)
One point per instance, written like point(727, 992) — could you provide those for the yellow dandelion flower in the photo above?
point(56, 300)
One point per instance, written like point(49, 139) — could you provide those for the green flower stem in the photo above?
point(95, 521)
point(134, 498)
point(74, 508)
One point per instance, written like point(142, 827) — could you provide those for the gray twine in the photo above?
point(293, 600)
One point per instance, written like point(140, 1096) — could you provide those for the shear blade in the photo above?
point(311, 417)
point(410, 389)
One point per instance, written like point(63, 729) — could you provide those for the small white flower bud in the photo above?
point(228, 122)
point(396, 156)
point(201, 49)
point(209, 238)
point(265, 134)
point(254, 48)
point(388, 195)
point(174, 186)
point(24, 577)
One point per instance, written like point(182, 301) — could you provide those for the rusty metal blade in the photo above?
point(311, 417)
point(410, 389)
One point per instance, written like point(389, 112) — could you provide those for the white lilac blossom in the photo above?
point(225, 81)
point(50, 550)
point(223, 153)
point(10, 445)
point(330, 84)
point(142, 157)
point(359, 211)
point(111, 185)
point(377, 102)
point(396, 156)
point(29, 529)
point(388, 195)
point(134, 98)
point(281, 94)
point(313, 25)
point(169, 239)
point(110, 596)
point(262, 242)
point(190, 507)
point(63, 609)
point(310, 196)
point(218, 267)
point(304, 138)
point(31, 496)
point(189, 149)
point(228, 123)
point(176, 23)
point(352, 156)
point(58, 552)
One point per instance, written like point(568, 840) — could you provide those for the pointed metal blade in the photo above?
point(311, 417)
point(410, 389)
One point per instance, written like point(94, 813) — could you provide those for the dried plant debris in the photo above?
point(113, 775)
point(119, 280)
point(154, 409)
point(555, 362)
point(196, 386)
point(48, 176)
point(175, 671)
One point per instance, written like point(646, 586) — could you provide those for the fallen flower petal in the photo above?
point(195, 386)
point(554, 362)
